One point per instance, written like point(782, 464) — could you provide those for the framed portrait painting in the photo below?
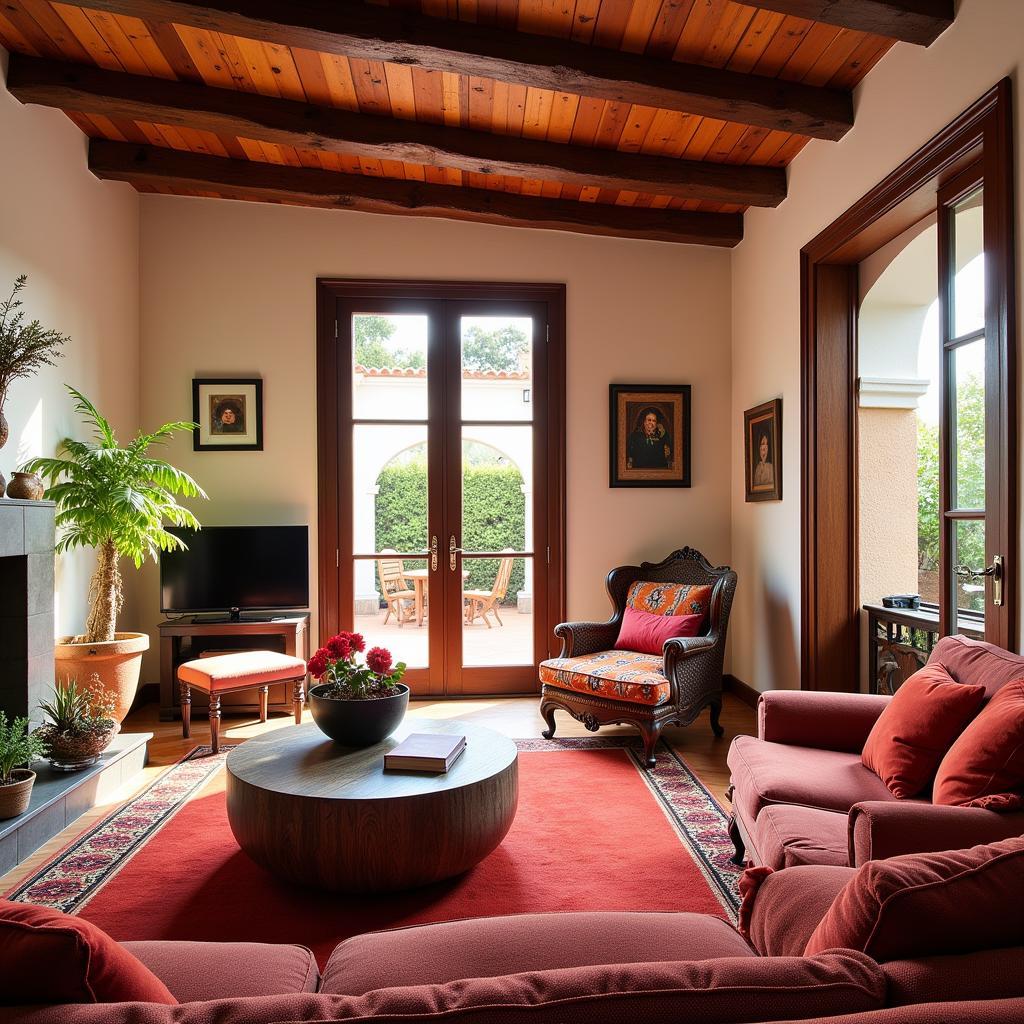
point(762, 433)
point(650, 435)
point(229, 412)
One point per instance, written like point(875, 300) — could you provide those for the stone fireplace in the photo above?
point(26, 606)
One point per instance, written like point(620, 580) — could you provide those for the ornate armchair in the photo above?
point(598, 685)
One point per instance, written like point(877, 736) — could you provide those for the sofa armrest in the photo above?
point(883, 828)
point(828, 721)
point(580, 638)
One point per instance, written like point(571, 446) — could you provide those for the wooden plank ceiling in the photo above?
point(645, 118)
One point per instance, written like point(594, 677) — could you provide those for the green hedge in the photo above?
point(494, 517)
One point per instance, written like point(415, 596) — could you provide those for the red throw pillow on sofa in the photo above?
point(929, 904)
point(647, 631)
point(917, 727)
point(49, 957)
point(985, 766)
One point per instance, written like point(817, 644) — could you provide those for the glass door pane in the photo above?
point(967, 380)
point(389, 366)
point(968, 266)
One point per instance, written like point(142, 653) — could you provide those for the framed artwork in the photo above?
point(762, 433)
point(229, 412)
point(650, 435)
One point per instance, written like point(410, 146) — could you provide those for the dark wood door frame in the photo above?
point(830, 641)
point(333, 408)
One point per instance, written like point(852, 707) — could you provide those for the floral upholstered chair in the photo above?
point(599, 684)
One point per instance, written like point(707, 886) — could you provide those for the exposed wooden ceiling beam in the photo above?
point(370, 32)
point(114, 94)
point(912, 21)
point(247, 179)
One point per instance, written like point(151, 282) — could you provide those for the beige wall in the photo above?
point(229, 287)
point(905, 100)
point(77, 239)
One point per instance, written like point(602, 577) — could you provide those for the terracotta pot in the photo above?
point(117, 663)
point(26, 486)
point(358, 723)
point(14, 798)
point(72, 753)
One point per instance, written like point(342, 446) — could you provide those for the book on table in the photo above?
point(425, 752)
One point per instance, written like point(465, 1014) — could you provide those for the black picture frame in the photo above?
point(668, 463)
point(238, 395)
point(763, 423)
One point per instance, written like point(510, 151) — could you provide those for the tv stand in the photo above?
point(216, 620)
point(190, 637)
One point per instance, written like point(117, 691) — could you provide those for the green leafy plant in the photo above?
point(17, 746)
point(75, 711)
point(24, 347)
point(337, 664)
point(116, 500)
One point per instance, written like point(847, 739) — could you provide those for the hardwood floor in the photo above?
point(516, 717)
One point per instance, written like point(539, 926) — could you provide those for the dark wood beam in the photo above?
point(91, 90)
point(912, 21)
point(245, 179)
point(370, 32)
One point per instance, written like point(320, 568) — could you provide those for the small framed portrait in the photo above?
point(762, 432)
point(650, 435)
point(229, 412)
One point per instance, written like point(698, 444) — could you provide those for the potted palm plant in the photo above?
point(117, 501)
point(356, 702)
point(17, 746)
point(81, 724)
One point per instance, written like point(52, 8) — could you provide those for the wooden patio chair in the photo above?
point(480, 602)
point(394, 588)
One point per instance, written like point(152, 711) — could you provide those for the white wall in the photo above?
point(77, 240)
point(910, 96)
point(229, 288)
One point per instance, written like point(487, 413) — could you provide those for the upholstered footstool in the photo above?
point(228, 673)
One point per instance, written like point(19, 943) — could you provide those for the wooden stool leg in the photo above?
point(186, 711)
point(215, 722)
point(298, 698)
point(264, 702)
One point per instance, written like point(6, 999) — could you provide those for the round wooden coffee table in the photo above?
point(324, 815)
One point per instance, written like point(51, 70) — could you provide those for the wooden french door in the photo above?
point(442, 468)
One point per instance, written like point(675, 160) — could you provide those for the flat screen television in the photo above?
point(235, 569)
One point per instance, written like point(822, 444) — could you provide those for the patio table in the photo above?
point(420, 578)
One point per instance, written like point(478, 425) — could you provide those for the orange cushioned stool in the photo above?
point(246, 670)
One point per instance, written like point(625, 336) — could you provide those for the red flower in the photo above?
point(318, 664)
point(339, 646)
point(379, 660)
point(357, 641)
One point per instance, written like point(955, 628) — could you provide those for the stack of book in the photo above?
point(425, 752)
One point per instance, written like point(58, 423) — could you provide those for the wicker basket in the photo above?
point(72, 753)
point(15, 797)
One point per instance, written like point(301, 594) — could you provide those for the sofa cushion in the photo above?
point(987, 974)
point(669, 598)
point(787, 834)
point(930, 904)
point(979, 662)
point(776, 773)
point(985, 766)
point(616, 675)
point(647, 632)
point(789, 905)
point(485, 947)
point(197, 971)
point(917, 727)
point(50, 957)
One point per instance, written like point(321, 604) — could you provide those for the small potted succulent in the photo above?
point(356, 703)
point(81, 725)
point(17, 746)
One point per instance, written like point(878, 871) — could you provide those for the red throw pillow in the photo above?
point(917, 727)
point(648, 631)
point(49, 957)
point(929, 904)
point(985, 766)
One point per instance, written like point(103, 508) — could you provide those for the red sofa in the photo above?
point(800, 794)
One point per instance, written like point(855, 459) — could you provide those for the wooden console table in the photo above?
point(901, 639)
point(189, 637)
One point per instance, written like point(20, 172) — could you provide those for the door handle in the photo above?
point(453, 551)
point(995, 570)
point(433, 553)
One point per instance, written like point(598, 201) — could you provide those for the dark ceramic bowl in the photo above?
point(358, 723)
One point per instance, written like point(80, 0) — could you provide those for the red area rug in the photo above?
point(593, 832)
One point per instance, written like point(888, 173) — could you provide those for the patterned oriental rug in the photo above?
point(593, 831)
